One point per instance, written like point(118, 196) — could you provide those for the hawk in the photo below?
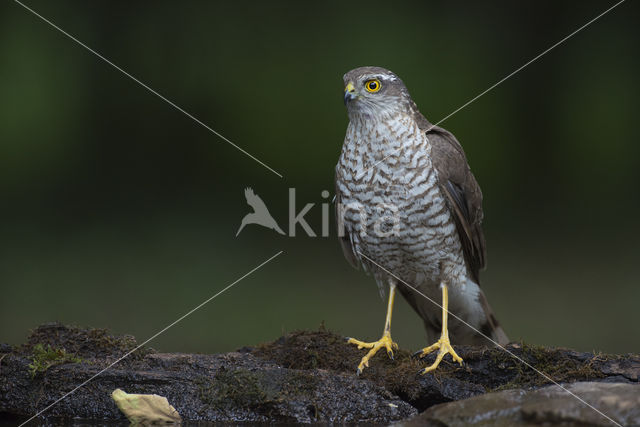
point(409, 211)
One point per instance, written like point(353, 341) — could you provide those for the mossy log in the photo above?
point(305, 376)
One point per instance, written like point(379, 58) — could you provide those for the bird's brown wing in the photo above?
point(462, 192)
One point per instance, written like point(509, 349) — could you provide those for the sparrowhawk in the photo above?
point(409, 208)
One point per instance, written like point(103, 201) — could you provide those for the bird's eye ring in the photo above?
point(372, 85)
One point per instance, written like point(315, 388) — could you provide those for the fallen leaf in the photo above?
point(145, 409)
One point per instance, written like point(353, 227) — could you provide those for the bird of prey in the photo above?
point(260, 214)
point(409, 211)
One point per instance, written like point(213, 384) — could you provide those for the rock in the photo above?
point(305, 376)
point(625, 367)
point(549, 405)
point(219, 387)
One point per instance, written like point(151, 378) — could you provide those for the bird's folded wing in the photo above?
point(463, 195)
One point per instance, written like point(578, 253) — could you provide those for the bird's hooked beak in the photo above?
point(349, 92)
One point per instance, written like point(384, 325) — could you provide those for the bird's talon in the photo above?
point(444, 347)
point(374, 346)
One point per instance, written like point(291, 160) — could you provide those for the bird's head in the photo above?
point(375, 91)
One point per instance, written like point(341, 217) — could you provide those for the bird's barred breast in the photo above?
point(391, 204)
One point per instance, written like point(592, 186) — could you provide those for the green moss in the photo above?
point(239, 388)
point(246, 389)
point(555, 365)
point(46, 357)
point(306, 350)
point(491, 368)
point(87, 343)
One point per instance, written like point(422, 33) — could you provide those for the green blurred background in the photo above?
point(118, 211)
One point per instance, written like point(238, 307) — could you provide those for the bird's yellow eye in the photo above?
point(372, 85)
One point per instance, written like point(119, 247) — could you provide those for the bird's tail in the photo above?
point(487, 327)
point(491, 327)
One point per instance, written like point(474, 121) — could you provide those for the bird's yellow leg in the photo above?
point(385, 341)
point(443, 344)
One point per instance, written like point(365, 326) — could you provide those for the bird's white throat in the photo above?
point(375, 142)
